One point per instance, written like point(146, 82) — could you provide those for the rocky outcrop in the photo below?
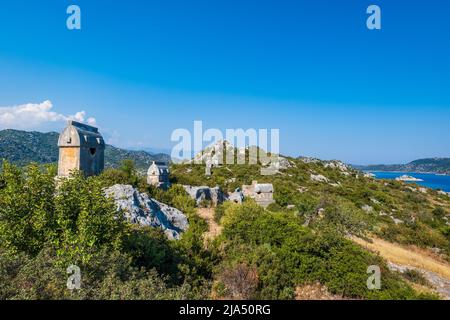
point(202, 193)
point(138, 208)
point(441, 285)
point(367, 208)
point(336, 164)
point(213, 153)
point(309, 160)
point(285, 163)
point(319, 178)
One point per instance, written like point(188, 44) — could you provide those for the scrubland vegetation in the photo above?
point(259, 254)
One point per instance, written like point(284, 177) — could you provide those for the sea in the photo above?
point(430, 180)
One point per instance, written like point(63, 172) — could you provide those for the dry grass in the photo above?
point(421, 288)
point(407, 255)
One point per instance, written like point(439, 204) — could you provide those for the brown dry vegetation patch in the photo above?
point(407, 255)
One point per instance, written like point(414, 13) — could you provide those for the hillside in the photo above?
point(394, 210)
point(429, 165)
point(316, 236)
point(22, 147)
point(329, 195)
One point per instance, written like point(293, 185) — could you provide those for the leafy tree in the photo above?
point(86, 219)
point(27, 218)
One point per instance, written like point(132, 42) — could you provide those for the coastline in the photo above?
point(428, 180)
point(419, 172)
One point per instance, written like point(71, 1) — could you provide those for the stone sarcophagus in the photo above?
point(158, 174)
point(81, 147)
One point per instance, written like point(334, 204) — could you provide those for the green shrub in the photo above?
point(219, 211)
point(286, 254)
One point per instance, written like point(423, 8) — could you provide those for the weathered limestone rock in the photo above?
point(396, 221)
point(319, 178)
point(138, 208)
point(335, 164)
point(285, 163)
point(309, 160)
point(367, 208)
point(213, 153)
point(199, 194)
point(441, 285)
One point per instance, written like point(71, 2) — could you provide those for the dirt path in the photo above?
point(213, 228)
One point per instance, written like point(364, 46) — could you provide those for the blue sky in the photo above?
point(335, 89)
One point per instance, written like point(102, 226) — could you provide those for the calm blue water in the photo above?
point(433, 181)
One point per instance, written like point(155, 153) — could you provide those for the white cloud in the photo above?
point(34, 116)
point(80, 116)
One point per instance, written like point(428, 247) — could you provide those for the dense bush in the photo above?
point(286, 254)
point(110, 275)
point(47, 225)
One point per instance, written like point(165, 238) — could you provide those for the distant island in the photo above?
point(408, 178)
point(428, 165)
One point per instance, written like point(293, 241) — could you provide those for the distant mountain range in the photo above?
point(429, 165)
point(23, 147)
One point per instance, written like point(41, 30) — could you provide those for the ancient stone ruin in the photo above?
point(237, 196)
point(261, 192)
point(158, 174)
point(81, 147)
point(204, 193)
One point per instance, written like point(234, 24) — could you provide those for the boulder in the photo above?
point(199, 194)
point(396, 221)
point(138, 208)
point(319, 178)
point(285, 163)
